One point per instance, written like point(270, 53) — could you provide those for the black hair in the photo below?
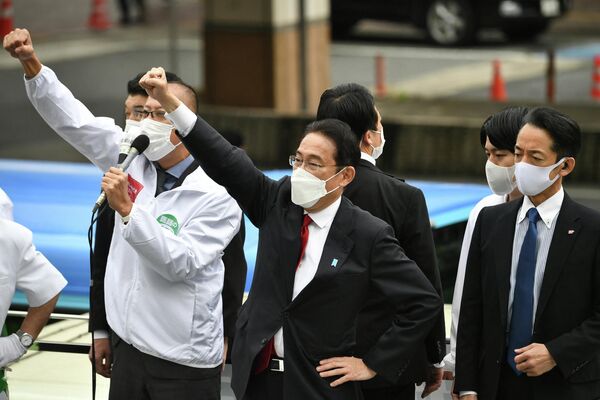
point(347, 152)
point(502, 128)
point(134, 88)
point(564, 131)
point(351, 103)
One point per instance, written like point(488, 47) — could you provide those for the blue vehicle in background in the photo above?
point(54, 200)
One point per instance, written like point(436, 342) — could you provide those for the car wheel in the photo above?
point(450, 22)
point(522, 32)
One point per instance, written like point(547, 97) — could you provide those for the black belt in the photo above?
point(276, 365)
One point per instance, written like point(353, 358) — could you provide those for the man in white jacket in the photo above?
point(164, 272)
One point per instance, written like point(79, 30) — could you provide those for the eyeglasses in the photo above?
point(158, 114)
point(310, 166)
point(137, 115)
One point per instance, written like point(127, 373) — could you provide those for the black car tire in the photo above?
point(523, 32)
point(450, 22)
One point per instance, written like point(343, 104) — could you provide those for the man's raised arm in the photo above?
point(97, 138)
point(225, 164)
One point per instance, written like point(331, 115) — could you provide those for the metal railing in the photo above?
point(59, 347)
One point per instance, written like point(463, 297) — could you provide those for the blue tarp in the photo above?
point(54, 200)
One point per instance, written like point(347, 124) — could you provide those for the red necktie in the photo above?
point(303, 237)
point(264, 357)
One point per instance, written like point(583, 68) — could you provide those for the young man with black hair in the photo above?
point(403, 207)
point(530, 315)
point(498, 136)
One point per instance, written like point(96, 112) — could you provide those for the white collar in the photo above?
point(324, 217)
point(548, 210)
point(367, 157)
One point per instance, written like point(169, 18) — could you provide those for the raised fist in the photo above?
point(18, 44)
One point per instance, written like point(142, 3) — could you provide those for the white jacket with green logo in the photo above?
point(164, 272)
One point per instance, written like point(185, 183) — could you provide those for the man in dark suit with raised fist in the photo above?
point(319, 259)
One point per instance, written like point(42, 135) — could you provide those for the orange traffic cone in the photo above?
point(98, 18)
point(6, 18)
point(498, 88)
point(595, 92)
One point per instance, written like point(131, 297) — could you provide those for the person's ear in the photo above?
point(348, 175)
point(568, 166)
point(367, 138)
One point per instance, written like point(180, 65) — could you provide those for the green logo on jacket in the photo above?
point(170, 222)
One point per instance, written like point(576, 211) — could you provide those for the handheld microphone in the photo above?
point(131, 131)
point(138, 146)
point(123, 152)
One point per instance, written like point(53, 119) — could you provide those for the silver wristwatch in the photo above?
point(25, 338)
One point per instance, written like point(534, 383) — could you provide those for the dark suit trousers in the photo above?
point(268, 385)
point(513, 387)
point(403, 392)
point(139, 376)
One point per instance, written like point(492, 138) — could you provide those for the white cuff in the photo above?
point(449, 362)
point(441, 364)
point(466, 393)
point(183, 118)
point(125, 223)
point(100, 334)
point(36, 76)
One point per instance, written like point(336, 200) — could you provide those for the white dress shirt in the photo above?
point(318, 230)
point(488, 201)
point(548, 211)
point(164, 273)
point(24, 268)
point(367, 157)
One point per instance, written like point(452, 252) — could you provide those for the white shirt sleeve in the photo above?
point(36, 276)
point(179, 256)
point(97, 138)
point(6, 206)
point(183, 118)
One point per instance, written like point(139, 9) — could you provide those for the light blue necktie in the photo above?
point(522, 306)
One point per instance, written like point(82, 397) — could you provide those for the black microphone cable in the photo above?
point(95, 215)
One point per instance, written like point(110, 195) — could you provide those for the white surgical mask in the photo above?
point(500, 179)
point(533, 180)
point(307, 189)
point(160, 139)
point(131, 131)
point(378, 151)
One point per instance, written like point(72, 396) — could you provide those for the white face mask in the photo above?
point(160, 139)
point(378, 151)
point(533, 180)
point(500, 179)
point(307, 189)
point(131, 131)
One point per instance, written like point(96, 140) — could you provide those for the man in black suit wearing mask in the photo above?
point(529, 325)
point(403, 207)
point(319, 259)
